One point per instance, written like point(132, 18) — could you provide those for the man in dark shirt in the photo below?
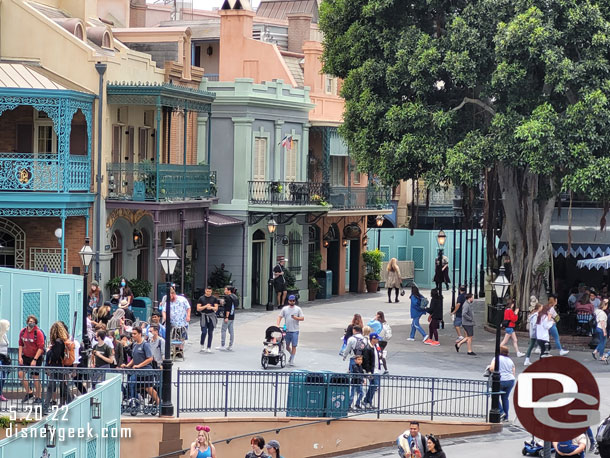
point(208, 306)
point(457, 312)
point(231, 303)
point(279, 282)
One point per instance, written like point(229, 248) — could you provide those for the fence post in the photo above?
point(178, 394)
point(378, 396)
point(277, 376)
point(227, 394)
point(432, 403)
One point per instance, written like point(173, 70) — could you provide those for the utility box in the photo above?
point(325, 279)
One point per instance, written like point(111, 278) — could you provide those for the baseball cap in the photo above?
point(292, 297)
point(273, 444)
point(374, 335)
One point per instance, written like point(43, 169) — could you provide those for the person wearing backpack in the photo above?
point(355, 346)
point(56, 354)
point(603, 438)
point(418, 308)
point(467, 324)
point(31, 349)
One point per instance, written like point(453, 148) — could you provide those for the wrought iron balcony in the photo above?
point(441, 198)
point(288, 193)
point(146, 181)
point(354, 198)
point(44, 172)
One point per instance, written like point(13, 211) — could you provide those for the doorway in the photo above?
point(258, 240)
point(354, 272)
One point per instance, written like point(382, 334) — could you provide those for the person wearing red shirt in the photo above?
point(31, 348)
point(511, 316)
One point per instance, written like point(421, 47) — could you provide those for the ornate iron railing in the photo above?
point(437, 198)
point(44, 172)
point(288, 193)
point(155, 182)
point(353, 198)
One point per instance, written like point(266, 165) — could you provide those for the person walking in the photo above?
point(5, 360)
point(381, 327)
point(531, 324)
point(157, 346)
point(349, 331)
point(279, 282)
point(507, 379)
point(468, 325)
point(355, 346)
point(601, 329)
point(230, 305)
point(434, 448)
point(257, 443)
point(31, 348)
point(394, 279)
point(202, 447)
point(142, 358)
point(418, 306)
point(292, 315)
point(553, 332)
point(411, 443)
point(208, 306)
point(456, 312)
point(434, 318)
point(180, 317)
point(273, 449)
point(511, 316)
point(356, 379)
point(543, 323)
point(371, 360)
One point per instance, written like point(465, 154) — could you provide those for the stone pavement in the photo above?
point(322, 331)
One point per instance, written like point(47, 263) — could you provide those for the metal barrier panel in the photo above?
point(328, 394)
point(57, 386)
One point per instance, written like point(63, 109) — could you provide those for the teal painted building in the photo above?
point(422, 248)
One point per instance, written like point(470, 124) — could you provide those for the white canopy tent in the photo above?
point(595, 263)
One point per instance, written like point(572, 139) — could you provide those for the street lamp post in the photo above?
point(441, 238)
point(168, 260)
point(500, 285)
point(86, 254)
point(379, 221)
point(271, 227)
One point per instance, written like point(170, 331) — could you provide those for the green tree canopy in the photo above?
point(446, 89)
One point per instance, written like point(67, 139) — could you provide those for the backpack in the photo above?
point(603, 433)
point(44, 337)
point(235, 301)
point(386, 332)
point(423, 303)
point(69, 356)
point(359, 347)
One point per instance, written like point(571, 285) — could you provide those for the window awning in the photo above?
point(23, 76)
point(219, 220)
point(160, 95)
point(587, 240)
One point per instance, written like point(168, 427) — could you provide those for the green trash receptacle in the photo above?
point(306, 394)
point(141, 308)
point(337, 395)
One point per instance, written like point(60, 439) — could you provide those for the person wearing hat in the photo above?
point(279, 281)
point(273, 449)
point(371, 360)
point(96, 298)
point(292, 315)
point(124, 305)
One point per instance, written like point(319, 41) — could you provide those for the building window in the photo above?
point(337, 171)
point(117, 143)
point(314, 240)
point(258, 166)
point(144, 135)
point(116, 247)
point(331, 85)
point(356, 177)
point(45, 139)
point(294, 251)
point(291, 161)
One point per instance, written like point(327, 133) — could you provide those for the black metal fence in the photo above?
point(288, 192)
point(39, 389)
point(328, 394)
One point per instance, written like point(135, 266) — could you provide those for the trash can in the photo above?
point(306, 394)
point(337, 395)
point(325, 279)
point(141, 308)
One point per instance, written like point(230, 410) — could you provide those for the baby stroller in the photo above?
point(273, 350)
point(534, 448)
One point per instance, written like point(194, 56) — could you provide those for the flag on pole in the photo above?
point(287, 141)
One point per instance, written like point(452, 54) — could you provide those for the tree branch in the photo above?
point(478, 102)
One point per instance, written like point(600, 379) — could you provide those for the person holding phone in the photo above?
point(292, 315)
point(202, 447)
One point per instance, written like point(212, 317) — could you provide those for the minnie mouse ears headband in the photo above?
point(203, 428)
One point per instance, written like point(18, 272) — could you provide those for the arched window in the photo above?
point(143, 255)
point(12, 245)
point(116, 247)
point(294, 251)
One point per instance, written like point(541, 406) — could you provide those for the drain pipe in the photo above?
point(101, 70)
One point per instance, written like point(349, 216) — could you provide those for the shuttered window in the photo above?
point(131, 144)
point(143, 144)
point(258, 166)
point(291, 161)
point(117, 143)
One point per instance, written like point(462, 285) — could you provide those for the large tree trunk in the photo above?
point(527, 226)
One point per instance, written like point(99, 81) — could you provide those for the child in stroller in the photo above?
point(273, 350)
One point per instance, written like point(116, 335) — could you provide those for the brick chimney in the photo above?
point(299, 26)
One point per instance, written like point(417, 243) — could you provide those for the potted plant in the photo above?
point(291, 287)
point(315, 260)
point(372, 259)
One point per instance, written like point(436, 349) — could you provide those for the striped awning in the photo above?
point(22, 76)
